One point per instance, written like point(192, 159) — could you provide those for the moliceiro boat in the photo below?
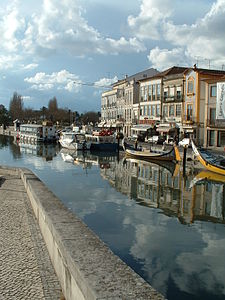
point(207, 176)
point(212, 162)
point(152, 155)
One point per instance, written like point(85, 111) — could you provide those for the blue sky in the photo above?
point(52, 47)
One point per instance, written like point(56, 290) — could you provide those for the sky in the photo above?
point(74, 49)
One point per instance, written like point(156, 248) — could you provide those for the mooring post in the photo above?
point(184, 160)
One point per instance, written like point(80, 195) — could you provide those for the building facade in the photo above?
point(120, 105)
point(199, 116)
point(178, 102)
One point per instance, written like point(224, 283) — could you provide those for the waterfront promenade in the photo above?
point(85, 267)
point(26, 271)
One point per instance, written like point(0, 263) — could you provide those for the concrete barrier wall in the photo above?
point(85, 266)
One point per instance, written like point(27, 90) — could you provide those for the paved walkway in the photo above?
point(25, 268)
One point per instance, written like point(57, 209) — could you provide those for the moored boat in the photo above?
point(172, 167)
point(170, 155)
point(210, 161)
point(74, 141)
point(100, 141)
point(207, 176)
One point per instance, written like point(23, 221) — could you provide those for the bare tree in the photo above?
point(16, 107)
point(53, 108)
point(89, 117)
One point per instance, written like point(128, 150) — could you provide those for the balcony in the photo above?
point(177, 98)
point(189, 120)
point(216, 124)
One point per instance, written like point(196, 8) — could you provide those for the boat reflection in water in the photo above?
point(46, 151)
point(159, 185)
point(163, 186)
point(210, 189)
point(87, 158)
point(167, 227)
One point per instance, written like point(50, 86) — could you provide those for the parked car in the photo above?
point(153, 139)
point(186, 142)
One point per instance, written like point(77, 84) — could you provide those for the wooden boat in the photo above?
point(172, 167)
point(153, 155)
point(207, 176)
point(212, 162)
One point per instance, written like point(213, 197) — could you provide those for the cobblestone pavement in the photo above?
point(26, 271)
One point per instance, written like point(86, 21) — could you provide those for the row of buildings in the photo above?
point(178, 102)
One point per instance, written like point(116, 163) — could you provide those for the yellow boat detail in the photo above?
point(210, 161)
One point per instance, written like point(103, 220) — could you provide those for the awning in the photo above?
point(163, 129)
point(141, 127)
point(101, 124)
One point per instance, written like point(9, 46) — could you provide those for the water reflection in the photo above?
point(168, 228)
point(163, 186)
point(179, 261)
point(46, 151)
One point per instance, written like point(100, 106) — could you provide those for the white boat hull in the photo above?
point(71, 145)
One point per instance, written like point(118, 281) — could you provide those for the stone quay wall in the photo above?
point(85, 266)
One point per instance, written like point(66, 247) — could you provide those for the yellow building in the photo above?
point(200, 105)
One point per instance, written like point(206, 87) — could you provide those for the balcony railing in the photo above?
point(189, 119)
point(216, 123)
point(177, 98)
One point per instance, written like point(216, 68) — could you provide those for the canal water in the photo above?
point(170, 229)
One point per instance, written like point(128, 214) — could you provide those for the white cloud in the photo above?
point(11, 25)
point(105, 82)
point(26, 97)
point(61, 26)
point(30, 66)
point(164, 58)
point(205, 38)
point(8, 61)
point(148, 24)
point(60, 80)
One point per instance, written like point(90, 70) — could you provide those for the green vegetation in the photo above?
point(61, 116)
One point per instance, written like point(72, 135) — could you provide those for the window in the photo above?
point(142, 93)
point(189, 112)
point(211, 138)
point(190, 87)
point(178, 92)
point(153, 92)
point(149, 92)
point(178, 110)
point(158, 91)
point(145, 93)
point(171, 110)
point(171, 92)
point(165, 111)
point(221, 139)
point(213, 91)
point(212, 116)
point(165, 93)
point(153, 110)
point(158, 110)
point(178, 95)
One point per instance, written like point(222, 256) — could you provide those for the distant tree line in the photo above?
point(61, 116)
